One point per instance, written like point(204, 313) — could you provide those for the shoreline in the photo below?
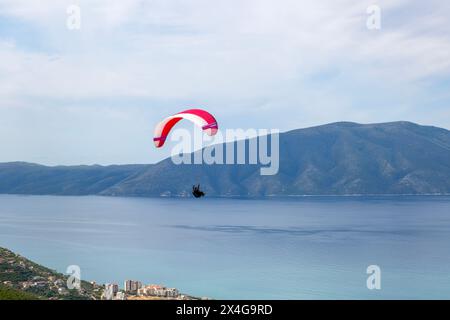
point(237, 197)
point(21, 278)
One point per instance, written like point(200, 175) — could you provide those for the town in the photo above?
point(20, 277)
point(134, 290)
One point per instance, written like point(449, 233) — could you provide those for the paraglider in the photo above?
point(196, 192)
point(200, 117)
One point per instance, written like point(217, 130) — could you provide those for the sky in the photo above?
point(93, 95)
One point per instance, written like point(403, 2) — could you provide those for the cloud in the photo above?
point(245, 60)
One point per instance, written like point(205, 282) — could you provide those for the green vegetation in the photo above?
point(13, 294)
point(22, 278)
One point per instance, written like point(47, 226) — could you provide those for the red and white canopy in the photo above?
point(200, 117)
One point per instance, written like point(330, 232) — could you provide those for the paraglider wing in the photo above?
point(200, 117)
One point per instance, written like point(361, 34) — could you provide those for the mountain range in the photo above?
point(342, 158)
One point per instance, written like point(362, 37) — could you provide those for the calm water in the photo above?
point(267, 249)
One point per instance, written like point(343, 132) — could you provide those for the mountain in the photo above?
point(334, 159)
point(29, 178)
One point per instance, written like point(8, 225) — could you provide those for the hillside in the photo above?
point(21, 278)
point(29, 178)
point(334, 159)
point(7, 293)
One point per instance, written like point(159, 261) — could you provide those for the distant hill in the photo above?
point(335, 159)
point(29, 178)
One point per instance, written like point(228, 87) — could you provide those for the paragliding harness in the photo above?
point(196, 192)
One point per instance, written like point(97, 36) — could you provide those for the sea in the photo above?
point(276, 248)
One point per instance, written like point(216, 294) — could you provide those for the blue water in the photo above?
point(302, 248)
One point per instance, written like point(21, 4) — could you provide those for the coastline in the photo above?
point(23, 279)
point(239, 197)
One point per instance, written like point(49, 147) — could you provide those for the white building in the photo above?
point(172, 293)
point(158, 291)
point(120, 296)
point(110, 292)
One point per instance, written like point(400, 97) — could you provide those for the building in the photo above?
point(59, 283)
point(120, 296)
point(158, 291)
point(172, 293)
point(132, 286)
point(63, 291)
point(151, 290)
point(110, 292)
